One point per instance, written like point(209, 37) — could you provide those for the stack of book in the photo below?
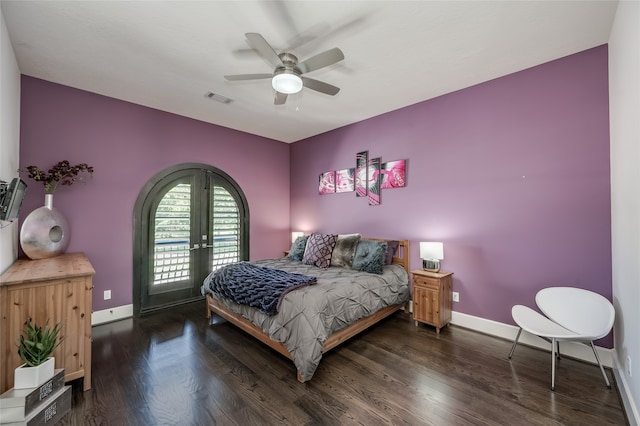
point(43, 405)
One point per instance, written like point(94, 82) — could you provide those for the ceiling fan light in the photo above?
point(286, 83)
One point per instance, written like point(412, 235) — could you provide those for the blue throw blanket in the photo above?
point(256, 286)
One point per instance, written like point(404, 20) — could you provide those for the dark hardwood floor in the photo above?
point(173, 368)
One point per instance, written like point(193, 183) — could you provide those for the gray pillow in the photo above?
point(370, 256)
point(344, 250)
point(297, 248)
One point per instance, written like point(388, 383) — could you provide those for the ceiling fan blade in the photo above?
point(279, 10)
point(280, 98)
point(320, 86)
point(260, 44)
point(321, 60)
point(247, 76)
point(307, 36)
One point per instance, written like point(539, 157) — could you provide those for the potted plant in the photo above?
point(35, 347)
point(45, 231)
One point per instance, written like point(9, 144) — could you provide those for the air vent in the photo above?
point(218, 98)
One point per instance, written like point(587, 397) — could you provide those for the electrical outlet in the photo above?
point(107, 294)
point(456, 296)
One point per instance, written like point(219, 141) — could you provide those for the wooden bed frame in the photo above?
point(333, 340)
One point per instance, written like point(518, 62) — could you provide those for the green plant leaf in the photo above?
point(37, 344)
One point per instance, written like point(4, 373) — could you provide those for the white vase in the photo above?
point(32, 377)
point(44, 232)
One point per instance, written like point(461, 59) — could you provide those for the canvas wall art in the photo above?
point(367, 179)
point(373, 182)
point(393, 174)
point(327, 183)
point(345, 180)
point(361, 173)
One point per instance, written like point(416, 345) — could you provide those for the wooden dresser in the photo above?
point(55, 289)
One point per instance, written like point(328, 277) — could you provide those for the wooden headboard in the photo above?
point(402, 255)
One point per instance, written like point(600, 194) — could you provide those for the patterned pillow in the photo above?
point(344, 250)
point(297, 248)
point(319, 249)
point(392, 248)
point(370, 256)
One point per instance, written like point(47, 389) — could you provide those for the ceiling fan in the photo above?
point(287, 77)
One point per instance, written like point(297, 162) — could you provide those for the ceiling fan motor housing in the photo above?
point(286, 79)
point(288, 59)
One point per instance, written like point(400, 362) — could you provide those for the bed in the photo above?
point(316, 318)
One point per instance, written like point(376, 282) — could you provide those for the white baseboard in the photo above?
point(625, 393)
point(111, 314)
point(507, 331)
point(580, 351)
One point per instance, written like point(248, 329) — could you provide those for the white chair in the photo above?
point(584, 312)
point(572, 314)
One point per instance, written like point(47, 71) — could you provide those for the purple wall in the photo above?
point(128, 144)
point(512, 175)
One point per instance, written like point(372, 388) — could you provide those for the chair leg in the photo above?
point(553, 364)
point(606, 380)
point(515, 342)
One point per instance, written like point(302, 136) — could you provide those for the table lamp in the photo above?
point(431, 254)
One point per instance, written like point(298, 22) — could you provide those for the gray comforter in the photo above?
point(310, 314)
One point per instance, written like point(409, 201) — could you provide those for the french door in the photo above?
point(192, 220)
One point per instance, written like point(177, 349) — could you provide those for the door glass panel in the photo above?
point(171, 237)
point(226, 228)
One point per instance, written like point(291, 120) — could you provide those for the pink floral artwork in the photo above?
point(327, 183)
point(373, 183)
point(345, 180)
point(361, 173)
point(393, 174)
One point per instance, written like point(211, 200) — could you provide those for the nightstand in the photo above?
point(432, 297)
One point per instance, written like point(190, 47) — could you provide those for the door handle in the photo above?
point(195, 247)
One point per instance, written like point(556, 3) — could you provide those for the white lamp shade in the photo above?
point(286, 83)
point(295, 235)
point(432, 250)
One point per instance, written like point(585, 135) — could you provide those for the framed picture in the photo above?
point(361, 173)
point(393, 174)
point(345, 180)
point(327, 183)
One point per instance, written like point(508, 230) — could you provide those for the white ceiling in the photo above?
point(167, 55)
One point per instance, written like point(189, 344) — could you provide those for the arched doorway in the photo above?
point(188, 220)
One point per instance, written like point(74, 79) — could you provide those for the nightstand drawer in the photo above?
point(433, 283)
